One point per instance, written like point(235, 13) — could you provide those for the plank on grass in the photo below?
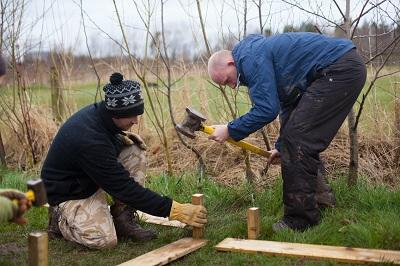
point(167, 253)
point(159, 220)
point(309, 251)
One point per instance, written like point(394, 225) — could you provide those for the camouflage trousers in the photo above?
point(89, 221)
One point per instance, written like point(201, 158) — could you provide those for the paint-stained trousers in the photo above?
point(89, 221)
point(308, 129)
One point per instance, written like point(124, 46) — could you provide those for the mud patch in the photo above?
point(12, 249)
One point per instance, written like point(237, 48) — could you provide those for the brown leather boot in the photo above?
point(125, 222)
point(53, 230)
point(324, 193)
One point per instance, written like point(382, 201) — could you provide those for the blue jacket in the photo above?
point(275, 68)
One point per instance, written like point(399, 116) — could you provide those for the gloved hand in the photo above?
point(131, 138)
point(13, 205)
point(194, 215)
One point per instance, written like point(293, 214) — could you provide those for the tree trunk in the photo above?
point(353, 138)
point(56, 95)
point(2, 152)
point(397, 129)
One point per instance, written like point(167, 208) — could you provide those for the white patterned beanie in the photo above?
point(123, 98)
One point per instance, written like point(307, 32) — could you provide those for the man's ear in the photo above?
point(231, 63)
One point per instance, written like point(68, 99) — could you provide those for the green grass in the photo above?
point(365, 216)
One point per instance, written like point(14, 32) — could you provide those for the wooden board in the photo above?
point(308, 251)
point(167, 253)
point(159, 220)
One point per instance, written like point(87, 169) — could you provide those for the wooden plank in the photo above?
point(38, 249)
point(309, 251)
point(253, 223)
point(198, 232)
point(159, 220)
point(168, 253)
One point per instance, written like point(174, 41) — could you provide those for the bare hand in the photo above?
point(274, 158)
point(220, 133)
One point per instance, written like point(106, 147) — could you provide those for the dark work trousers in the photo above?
point(308, 130)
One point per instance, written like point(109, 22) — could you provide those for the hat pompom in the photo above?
point(116, 78)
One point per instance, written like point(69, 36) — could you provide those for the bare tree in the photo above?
point(228, 99)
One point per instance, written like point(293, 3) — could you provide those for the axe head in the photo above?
point(37, 187)
point(191, 123)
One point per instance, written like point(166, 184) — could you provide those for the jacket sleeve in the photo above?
point(100, 163)
point(260, 75)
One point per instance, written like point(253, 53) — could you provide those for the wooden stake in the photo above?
point(253, 223)
point(197, 199)
point(38, 248)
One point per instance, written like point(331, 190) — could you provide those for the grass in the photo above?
point(365, 216)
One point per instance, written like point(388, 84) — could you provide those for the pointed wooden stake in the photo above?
point(38, 248)
point(253, 223)
point(197, 199)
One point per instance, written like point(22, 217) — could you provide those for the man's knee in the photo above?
point(100, 240)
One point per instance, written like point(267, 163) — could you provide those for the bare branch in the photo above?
point(368, 10)
point(203, 29)
point(376, 77)
point(90, 54)
point(340, 10)
point(315, 14)
point(358, 19)
point(394, 41)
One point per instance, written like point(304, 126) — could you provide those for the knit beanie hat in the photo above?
point(123, 98)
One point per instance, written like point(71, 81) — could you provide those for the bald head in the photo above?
point(222, 69)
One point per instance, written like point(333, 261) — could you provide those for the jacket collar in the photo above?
point(236, 59)
point(107, 119)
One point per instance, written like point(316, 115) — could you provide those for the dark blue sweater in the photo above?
point(83, 158)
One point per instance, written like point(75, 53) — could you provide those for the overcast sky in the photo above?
point(58, 23)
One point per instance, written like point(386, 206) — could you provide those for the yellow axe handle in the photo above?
point(242, 144)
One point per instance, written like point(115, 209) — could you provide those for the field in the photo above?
point(194, 90)
point(366, 216)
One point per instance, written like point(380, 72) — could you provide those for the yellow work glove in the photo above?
point(194, 215)
point(131, 138)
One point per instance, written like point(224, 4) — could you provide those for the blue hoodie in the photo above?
point(273, 68)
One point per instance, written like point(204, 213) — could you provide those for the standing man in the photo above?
point(90, 156)
point(312, 82)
